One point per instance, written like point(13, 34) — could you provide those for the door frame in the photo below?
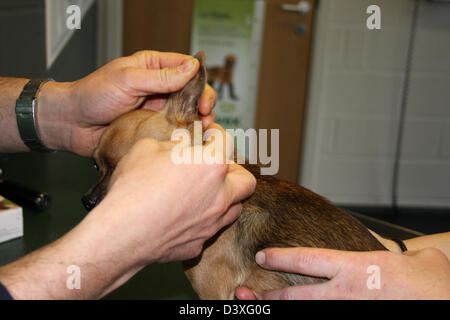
point(109, 30)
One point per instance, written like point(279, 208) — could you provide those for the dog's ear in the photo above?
point(181, 108)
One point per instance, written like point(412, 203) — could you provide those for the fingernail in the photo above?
point(188, 65)
point(260, 258)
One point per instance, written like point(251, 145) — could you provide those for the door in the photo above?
point(166, 25)
point(283, 79)
point(157, 25)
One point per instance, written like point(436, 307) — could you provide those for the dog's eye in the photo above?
point(95, 165)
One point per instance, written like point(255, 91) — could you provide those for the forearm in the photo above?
point(44, 273)
point(10, 89)
point(53, 114)
point(439, 241)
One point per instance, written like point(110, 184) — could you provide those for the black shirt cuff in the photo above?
point(4, 294)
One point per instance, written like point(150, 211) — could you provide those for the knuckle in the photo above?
point(218, 170)
point(192, 250)
point(231, 215)
point(210, 233)
point(252, 182)
point(119, 62)
point(213, 173)
point(150, 58)
point(301, 260)
point(221, 205)
point(139, 53)
point(197, 249)
point(164, 79)
point(153, 59)
point(127, 75)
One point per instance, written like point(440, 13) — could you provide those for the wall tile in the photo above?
point(429, 95)
point(421, 139)
point(445, 142)
point(363, 94)
point(425, 179)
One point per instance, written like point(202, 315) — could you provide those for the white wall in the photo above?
point(354, 98)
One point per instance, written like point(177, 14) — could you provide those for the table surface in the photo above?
point(65, 177)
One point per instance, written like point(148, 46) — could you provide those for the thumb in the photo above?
point(166, 80)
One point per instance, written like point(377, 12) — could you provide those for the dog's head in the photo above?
point(180, 111)
point(230, 61)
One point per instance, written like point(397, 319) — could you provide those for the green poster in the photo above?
point(229, 33)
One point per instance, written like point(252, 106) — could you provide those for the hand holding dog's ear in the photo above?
point(77, 113)
point(175, 216)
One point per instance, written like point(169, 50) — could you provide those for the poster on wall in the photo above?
point(230, 33)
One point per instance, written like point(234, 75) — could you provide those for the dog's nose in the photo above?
point(89, 203)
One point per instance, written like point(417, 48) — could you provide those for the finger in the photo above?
point(156, 81)
point(216, 126)
point(207, 101)
point(231, 215)
point(308, 261)
point(150, 59)
point(155, 102)
point(184, 251)
point(226, 142)
point(239, 183)
point(208, 120)
point(244, 293)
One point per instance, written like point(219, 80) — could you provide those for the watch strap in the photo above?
point(401, 244)
point(26, 111)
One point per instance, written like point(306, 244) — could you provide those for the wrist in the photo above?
point(54, 107)
point(113, 218)
point(392, 246)
point(110, 244)
point(46, 273)
point(389, 244)
point(105, 261)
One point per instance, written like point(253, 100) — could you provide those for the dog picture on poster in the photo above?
point(229, 31)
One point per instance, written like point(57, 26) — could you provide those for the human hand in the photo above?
point(72, 116)
point(176, 207)
point(423, 274)
point(155, 211)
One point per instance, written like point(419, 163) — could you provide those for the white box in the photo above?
point(11, 220)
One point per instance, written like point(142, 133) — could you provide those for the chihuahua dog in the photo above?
point(278, 214)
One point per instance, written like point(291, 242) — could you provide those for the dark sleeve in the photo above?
point(4, 294)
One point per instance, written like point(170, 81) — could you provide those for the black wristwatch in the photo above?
point(26, 115)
